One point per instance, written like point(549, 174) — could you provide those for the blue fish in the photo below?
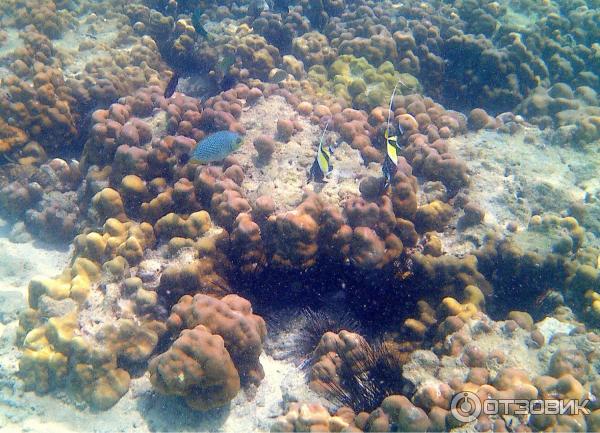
point(216, 147)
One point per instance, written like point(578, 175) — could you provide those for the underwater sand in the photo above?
point(283, 177)
point(516, 176)
point(140, 410)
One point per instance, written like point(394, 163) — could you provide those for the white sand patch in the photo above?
point(141, 410)
point(104, 43)
point(12, 41)
point(516, 176)
point(19, 263)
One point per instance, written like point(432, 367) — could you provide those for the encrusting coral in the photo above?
point(168, 251)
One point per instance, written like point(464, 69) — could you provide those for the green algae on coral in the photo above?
point(360, 83)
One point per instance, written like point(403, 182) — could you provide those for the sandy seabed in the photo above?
point(140, 410)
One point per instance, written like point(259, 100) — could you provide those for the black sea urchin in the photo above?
point(315, 323)
point(380, 376)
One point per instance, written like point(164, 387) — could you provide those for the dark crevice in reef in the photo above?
point(373, 299)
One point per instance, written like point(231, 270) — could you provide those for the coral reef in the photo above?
point(230, 317)
point(357, 82)
point(507, 359)
point(175, 262)
point(48, 105)
point(197, 367)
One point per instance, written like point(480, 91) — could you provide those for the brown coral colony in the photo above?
point(181, 264)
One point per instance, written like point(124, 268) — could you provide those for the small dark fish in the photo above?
point(322, 164)
point(197, 24)
point(184, 158)
point(316, 14)
point(172, 85)
point(227, 82)
point(281, 6)
point(92, 36)
point(256, 7)
point(171, 8)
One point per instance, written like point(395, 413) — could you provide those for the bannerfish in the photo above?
point(322, 163)
point(216, 147)
point(172, 85)
point(198, 24)
point(390, 163)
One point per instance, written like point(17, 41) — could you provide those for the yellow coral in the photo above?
point(172, 225)
point(61, 330)
point(44, 362)
point(108, 204)
point(74, 282)
point(83, 273)
point(454, 308)
point(357, 81)
point(41, 367)
point(132, 185)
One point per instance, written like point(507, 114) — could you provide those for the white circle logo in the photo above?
point(465, 406)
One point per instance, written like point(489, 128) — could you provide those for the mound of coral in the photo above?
point(176, 261)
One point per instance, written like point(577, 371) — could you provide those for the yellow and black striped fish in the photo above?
point(391, 144)
point(322, 163)
point(390, 163)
